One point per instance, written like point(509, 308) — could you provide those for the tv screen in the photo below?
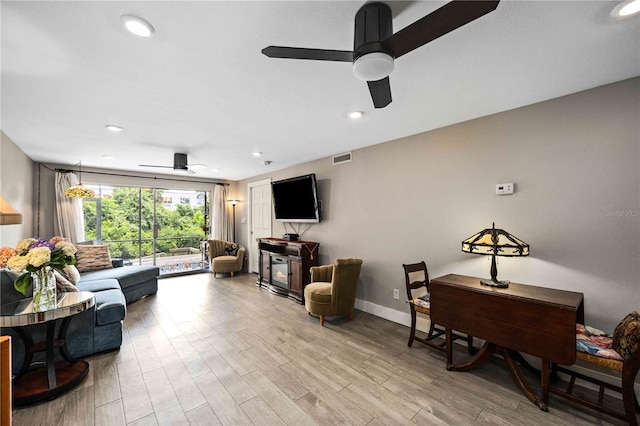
point(296, 199)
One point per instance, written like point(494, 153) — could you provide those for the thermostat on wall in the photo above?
point(504, 188)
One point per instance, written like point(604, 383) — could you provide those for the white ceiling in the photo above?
point(201, 86)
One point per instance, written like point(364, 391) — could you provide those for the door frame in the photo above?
point(254, 253)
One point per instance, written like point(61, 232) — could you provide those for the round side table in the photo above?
point(45, 383)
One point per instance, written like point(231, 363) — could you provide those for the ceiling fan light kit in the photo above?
point(373, 66)
point(375, 46)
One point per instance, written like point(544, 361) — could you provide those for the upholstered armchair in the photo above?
point(225, 256)
point(332, 291)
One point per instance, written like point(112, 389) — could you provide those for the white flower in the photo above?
point(39, 256)
point(23, 245)
point(67, 248)
point(18, 263)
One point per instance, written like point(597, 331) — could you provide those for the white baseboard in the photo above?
point(422, 324)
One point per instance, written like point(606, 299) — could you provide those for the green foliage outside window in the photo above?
point(124, 223)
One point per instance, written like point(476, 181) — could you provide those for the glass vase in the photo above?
point(44, 289)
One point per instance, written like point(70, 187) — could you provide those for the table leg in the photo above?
point(509, 358)
point(478, 359)
point(544, 379)
point(51, 365)
point(449, 344)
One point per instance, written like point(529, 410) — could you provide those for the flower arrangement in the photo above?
point(39, 256)
point(5, 254)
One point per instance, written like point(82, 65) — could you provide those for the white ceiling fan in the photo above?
point(179, 163)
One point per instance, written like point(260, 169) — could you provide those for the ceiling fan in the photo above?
point(179, 163)
point(375, 46)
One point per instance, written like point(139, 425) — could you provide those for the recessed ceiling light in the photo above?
point(138, 26)
point(354, 115)
point(113, 128)
point(108, 157)
point(626, 8)
point(256, 154)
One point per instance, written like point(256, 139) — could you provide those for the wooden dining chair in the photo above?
point(417, 285)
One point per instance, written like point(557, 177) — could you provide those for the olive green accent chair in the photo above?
point(222, 256)
point(332, 291)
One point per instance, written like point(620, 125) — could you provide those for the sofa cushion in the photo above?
point(62, 284)
point(91, 258)
point(98, 285)
point(110, 306)
point(71, 273)
point(127, 276)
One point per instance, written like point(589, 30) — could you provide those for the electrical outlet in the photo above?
point(396, 293)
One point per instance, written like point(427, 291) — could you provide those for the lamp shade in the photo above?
point(9, 215)
point(79, 191)
point(495, 242)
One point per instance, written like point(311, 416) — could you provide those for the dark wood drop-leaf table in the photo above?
point(33, 385)
point(519, 319)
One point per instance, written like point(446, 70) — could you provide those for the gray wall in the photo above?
point(575, 162)
point(17, 173)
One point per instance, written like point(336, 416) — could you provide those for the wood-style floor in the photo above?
point(208, 351)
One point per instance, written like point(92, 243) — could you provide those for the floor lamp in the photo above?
point(233, 204)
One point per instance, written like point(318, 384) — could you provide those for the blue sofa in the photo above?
point(98, 329)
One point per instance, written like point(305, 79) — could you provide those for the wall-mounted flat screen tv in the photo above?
point(296, 199)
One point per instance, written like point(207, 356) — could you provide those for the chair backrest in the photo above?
point(344, 283)
point(416, 276)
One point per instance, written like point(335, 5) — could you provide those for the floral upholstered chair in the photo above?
point(620, 352)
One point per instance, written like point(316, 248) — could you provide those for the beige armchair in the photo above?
point(222, 258)
point(332, 291)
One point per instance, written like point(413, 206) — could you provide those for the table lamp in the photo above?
point(495, 242)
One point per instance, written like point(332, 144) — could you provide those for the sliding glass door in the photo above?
point(150, 226)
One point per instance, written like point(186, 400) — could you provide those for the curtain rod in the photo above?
point(132, 176)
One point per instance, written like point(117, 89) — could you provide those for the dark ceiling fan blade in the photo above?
point(380, 92)
point(303, 53)
point(444, 20)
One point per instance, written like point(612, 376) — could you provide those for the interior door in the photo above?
point(259, 219)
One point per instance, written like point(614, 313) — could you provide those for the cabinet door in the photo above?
point(295, 275)
point(265, 266)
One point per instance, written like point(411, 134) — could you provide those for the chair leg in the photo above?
point(231, 274)
point(351, 316)
point(432, 327)
point(629, 372)
point(412, 333)
point(470, 344)
point(322, 320)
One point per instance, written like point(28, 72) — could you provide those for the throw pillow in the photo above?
point(62, 284)
point(626, 336)
point(71, 273)
point(93, 258)
point(231, 249)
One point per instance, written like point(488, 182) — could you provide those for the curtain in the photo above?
point(70, 218)
point(220, 221)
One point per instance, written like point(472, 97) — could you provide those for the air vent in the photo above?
point(341, 158)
